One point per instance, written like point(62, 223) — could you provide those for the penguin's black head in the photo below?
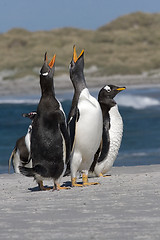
point(77, 63)
point(109, 92)
point(76, 70)
point(30, 115)
point(47, 72)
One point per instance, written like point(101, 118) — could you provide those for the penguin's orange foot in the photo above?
point(75, 184)
point(58, 187)
point(46, 188)
point(42, 188)
point(85, 181)
point(90, 183)
point(101, 175)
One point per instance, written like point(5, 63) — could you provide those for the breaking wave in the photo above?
point(125, 100)
point(137, 102)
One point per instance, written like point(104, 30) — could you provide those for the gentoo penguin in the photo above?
point(84, 122)
point(20, 153)
point(50, 143)
point(112, 131)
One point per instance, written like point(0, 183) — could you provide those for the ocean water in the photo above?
point(140, 110)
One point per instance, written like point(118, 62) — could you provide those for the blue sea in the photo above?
point(140, 110)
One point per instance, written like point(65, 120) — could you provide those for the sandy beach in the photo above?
point(125, 205)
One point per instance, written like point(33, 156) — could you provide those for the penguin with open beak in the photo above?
point(50, 142)
point(112, 131)
point(84, 122)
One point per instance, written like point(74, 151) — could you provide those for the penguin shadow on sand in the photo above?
point(37, 188)
point(66, 185)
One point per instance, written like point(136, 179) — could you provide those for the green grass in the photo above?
point(127, 45)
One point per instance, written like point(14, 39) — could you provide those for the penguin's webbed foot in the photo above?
point(85, 181)
point(74, 183)
point(90, 183)
point(58, 187)
point(101, 175)
point(42, 188)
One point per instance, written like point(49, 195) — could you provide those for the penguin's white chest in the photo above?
point(116, 128)
point(28, 138)
point(115, 133)
point(88, 129)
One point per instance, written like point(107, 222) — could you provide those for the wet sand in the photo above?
point(125, 205)
point(29, 85)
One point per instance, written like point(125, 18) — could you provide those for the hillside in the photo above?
point(127, 45)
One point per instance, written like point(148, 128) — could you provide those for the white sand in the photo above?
point(125, 205)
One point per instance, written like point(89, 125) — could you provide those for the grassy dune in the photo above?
point(127, 45)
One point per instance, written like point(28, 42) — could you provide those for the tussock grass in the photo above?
point(127, 45)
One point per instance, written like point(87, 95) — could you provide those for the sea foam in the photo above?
point(137, 102)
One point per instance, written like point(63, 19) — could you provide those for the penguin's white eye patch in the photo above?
point(107, 88)
point(45, 74)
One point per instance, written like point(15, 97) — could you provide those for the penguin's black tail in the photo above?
point(31, 172)
point(28, 172)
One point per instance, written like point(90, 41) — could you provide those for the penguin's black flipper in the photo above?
point(96, 156)
point(105, 145)
point(103, 149)
point(68, 170)
point(72, 120)
point(72, 126)
point(67, 140)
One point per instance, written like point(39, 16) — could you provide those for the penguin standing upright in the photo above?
point(84, 121)
point(112, 131)
point(50, 143)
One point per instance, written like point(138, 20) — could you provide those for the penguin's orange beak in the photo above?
point(75, 58)
point(121, 89)
point(51, 64)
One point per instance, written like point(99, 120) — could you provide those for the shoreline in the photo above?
point(123, 206)
point(29, 85)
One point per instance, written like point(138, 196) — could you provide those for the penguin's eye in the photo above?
point(45, 74)
point(108, 89)
point(71, 65)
